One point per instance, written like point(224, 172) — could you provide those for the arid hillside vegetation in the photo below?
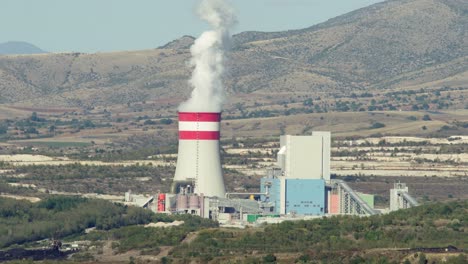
point(387, 47)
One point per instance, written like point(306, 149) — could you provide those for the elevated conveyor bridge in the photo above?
point(350, 202)
point(400, 198)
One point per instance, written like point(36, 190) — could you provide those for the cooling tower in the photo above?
point(198, 160)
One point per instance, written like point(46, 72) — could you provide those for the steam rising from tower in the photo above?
point(198, 159)
point(208, 58)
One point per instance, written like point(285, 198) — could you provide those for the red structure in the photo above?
point(161, 202)
point(334, 204)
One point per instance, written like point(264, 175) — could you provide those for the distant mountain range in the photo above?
point(19, 48)
point(397, 44)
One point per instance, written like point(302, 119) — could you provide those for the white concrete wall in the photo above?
point(305, 157)
point(326, 152)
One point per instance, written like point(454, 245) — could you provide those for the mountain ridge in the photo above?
point(19, 48)
point(388, 45)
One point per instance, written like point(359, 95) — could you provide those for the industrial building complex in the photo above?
point(298, 187)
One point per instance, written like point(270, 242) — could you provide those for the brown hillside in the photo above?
point(387, 46)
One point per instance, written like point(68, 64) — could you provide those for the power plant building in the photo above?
point(293, 196)
point(305, 157)
point(298, 186)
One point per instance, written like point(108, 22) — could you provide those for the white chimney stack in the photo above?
point(198, 158)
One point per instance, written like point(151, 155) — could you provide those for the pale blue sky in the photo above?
point(109, 25)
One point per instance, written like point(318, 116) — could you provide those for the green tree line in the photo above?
point(60, 216)
point(432, 225)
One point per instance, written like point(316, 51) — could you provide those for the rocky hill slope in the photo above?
point(397, 44)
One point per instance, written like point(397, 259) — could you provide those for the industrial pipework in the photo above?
point(266, 193)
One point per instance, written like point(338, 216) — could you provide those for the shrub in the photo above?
point(426, 118)
point(377, 125)
point(270, 258)
point(149, 122)
point(3, 129)
point(166, 121)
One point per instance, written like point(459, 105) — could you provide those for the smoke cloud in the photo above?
point(208, 58)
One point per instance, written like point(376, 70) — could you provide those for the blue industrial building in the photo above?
point(297, 184)
point(305, 196)
point(294, 196)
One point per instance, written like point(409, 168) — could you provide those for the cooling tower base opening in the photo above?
point(177, 186)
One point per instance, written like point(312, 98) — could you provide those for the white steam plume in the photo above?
point(208, 58)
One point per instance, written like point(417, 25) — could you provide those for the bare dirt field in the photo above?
point(30, 159)
point(19, 197)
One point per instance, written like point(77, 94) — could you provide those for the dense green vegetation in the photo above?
point(432, 225)
point(59, 216)
point(63, 216)
point(150, 239)
point(343, 239)
point(68, 217)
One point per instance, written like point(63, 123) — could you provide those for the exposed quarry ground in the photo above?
point(433, 168)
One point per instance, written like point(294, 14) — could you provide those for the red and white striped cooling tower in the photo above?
point(199, 160)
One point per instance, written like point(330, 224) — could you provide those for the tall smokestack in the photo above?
point(199, 160)
point(199, 117)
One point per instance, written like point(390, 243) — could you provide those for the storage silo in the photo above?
point(182, 202)
point(194, 202)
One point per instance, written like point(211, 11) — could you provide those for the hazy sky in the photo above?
point(108, 25)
